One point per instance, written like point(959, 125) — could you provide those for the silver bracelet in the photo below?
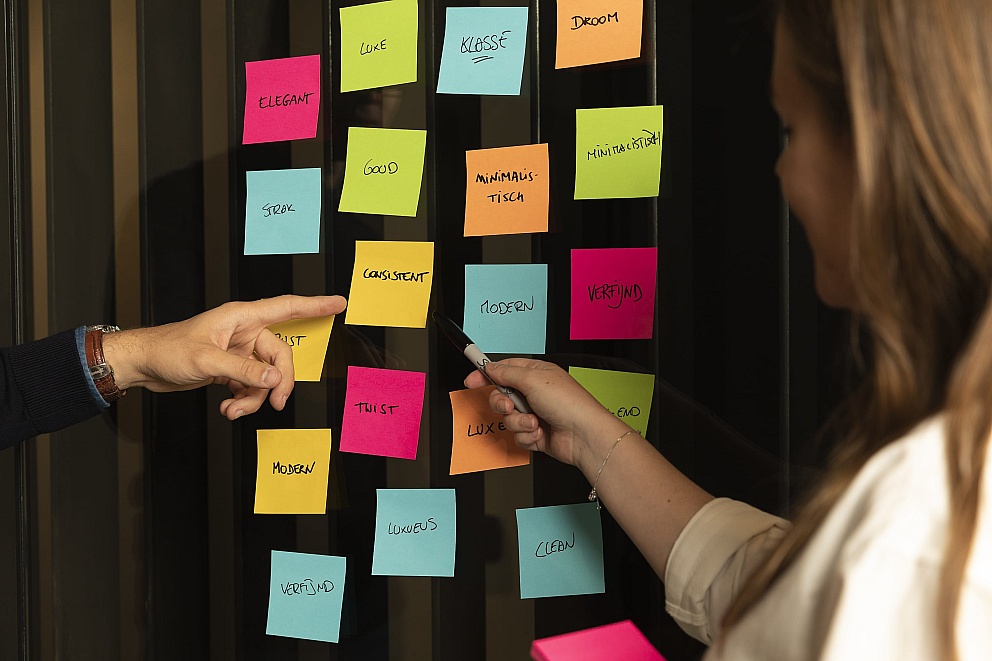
point(593, 496)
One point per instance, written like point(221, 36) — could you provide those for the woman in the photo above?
point(888, 165)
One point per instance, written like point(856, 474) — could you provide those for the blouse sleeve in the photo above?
point(712, 557)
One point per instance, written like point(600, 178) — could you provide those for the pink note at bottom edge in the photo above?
point(621, 640)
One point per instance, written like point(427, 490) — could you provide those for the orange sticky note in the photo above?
point(479, 440)
point(506, 190)
point(594, 31)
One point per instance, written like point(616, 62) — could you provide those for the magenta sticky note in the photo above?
point(613, 293)
point(622, 640)
point(282, 99)
point(382, 410)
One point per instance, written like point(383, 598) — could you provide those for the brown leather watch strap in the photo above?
point(102, 373)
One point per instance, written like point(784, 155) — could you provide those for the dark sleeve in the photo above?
point(42, 388)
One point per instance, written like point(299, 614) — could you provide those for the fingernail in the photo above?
point(268, 376)
point(238, 414)
point(503, 407)
point(532, 424)
point(283, 400)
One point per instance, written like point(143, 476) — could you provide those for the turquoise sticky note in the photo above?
point(561, 551)
point(483, 50)
point(506, 307)
point(305, 596)
point(282, 212)
point(414, 532)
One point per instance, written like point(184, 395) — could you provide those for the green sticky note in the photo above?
point(379, 44)
point(383, 171)
point(618, 152)
point(627, 395)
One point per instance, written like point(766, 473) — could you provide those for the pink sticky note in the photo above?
point(613, 293)
point(282, 99)
point(622, 640)
point(382, 410)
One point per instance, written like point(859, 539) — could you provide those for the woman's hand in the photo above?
point(565, 415)
point(230, 344)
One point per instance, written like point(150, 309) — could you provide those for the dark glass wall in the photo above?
point(136, 529)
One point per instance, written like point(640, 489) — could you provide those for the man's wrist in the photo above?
point(101, 371)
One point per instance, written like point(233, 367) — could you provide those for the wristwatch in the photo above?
point(102, 373)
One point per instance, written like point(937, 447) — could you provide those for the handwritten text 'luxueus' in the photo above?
point(420, 526)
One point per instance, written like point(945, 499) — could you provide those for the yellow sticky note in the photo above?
point(391, 283)
point(594, 31)
point(293, 465)
point(308, 338)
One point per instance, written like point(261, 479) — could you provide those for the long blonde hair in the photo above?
point(909, 82)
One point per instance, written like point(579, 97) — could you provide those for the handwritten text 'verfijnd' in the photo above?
point(614, 294)
point(307, 586)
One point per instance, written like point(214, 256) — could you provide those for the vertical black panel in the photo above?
point(259, 31)
point(81, 225)
point(176, 468)
point(453, 126)
point(11, 230)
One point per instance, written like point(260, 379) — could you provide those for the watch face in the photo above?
point(101, 371)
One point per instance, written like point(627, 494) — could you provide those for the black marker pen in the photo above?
point(479, 359)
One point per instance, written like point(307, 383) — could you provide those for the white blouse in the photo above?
point(863, 588)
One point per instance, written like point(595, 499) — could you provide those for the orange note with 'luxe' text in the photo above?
point(480, 441)
point(595, 31)
point(506, 190)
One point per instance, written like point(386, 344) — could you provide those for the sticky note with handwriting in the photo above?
point(379, 44)
point(561, 550)
point(306, 592)
point(308, 339)
point(382, 410)
point(282, 211)
point(282, 99)
point(618, 152)
point(506, 190)
point(293, 465)
point(479, 439)
point(391, 283)
point(414, 532)
point(483, 50)
point(506, 307)
point(594, 31)
point(621, 640)
point(627, 395)
point(383, 171)
point(613, 293)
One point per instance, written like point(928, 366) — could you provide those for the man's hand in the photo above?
point(230, 344)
